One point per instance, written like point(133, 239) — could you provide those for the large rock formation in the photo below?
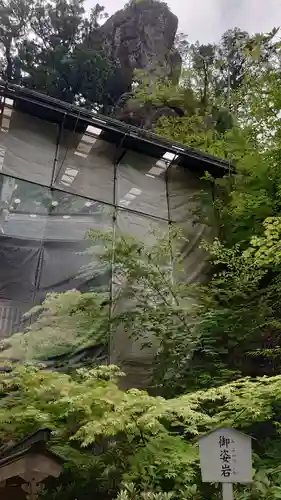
point(141, 36)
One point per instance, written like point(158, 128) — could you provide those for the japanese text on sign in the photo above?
point(227, 456)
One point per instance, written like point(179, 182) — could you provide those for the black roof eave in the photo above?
point(54, 110)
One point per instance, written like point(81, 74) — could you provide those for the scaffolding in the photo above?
point(65, 170)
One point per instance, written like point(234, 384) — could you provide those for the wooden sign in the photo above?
point(226, 457)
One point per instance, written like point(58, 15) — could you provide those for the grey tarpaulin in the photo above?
point(185, 189)
point(58, 180)
point(30, 147)
point(90, 162)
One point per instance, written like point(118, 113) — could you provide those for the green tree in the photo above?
point(202, 62)
point(65, 324)
point(211, 338)
point(238, 324)
point(238, 53)
point(148, 304)
point(55, 48)
point(98, 427)
point(64, 58)
point(135, 444)
point(14, 21)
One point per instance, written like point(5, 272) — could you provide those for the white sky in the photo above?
point(206, 20)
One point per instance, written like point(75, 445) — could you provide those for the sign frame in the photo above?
point(226, 457)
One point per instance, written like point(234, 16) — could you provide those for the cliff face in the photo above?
point(141, 36)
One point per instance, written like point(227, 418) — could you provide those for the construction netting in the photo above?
point(55, 185)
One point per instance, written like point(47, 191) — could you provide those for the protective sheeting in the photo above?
point(19, 260)
point(184, 191)
point(60, 268)
point(44, 247)
point(142, 227)
point(12, 318)
point(186, 196)
point(44, 228)
point(141, 185)
point(29, 271)
point(28, 146)
point(86, 165)
point(125, 351)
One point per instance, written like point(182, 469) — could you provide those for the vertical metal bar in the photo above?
point(114, 220)
point(38, 272)
point(59, 136)
point(2, 329)
point(170, 221)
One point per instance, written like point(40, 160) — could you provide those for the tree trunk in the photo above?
point(9, 67)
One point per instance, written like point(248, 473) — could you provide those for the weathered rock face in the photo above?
point(141, 36)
